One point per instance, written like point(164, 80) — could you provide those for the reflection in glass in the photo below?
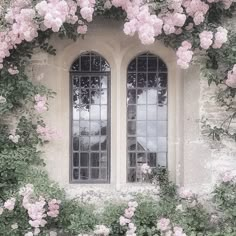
point(90, 89)
point(146, 114)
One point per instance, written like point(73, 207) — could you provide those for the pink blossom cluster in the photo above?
point(166, 228)
point(72, 18)
point(184, 54)
point(197, 9)
point(13, 70)
point(46, 133)
point(38, 210)
point(221, 37)
point(86, 9)
point(231, 78)
point(41, 102)
point(206, 39)
point(53, 208)
point(127, 217)
point(173, 20)
point(140, 20)
point(54, 13)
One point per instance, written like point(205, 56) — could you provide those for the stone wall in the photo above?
point(195, 161)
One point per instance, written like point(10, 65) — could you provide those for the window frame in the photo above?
point(80, 74)
point(146, 54)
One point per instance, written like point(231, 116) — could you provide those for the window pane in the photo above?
point(146, 115)
point(90, 125)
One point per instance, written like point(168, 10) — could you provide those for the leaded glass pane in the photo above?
point(90, 125)
point(146, 115)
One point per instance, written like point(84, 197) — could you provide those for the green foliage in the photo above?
point(110, 217)
point(76, 218)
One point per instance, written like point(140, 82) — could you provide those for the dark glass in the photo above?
point(76, 159)
point(162, 66)
point(95, 159)
point(76, 143)
point(95, 63)
point(85, 63)
point(142, 64)
point(95, 173)
point(131, 127)
point(152, 159)
point(103, 173)
point(152, 80)
point(131, 83)
point(75, 173)
point(132, 65)
point(131, 112)
point(132, 159)
point(142, 80)
point(84, 174)
point(152, 64)
point(131, 96)
point(131, 144)
point(84, 159)
point(131, 175)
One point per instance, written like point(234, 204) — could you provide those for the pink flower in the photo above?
point(82, 29)
point(178, 231)
point(184, 55)
point(129, 213)
point(228, 177)
point(10, 204)
point(124, 221)
point(221, 37)
point(163, 224)
point(87, 13)
point(13, 70)
point(53, 208)
point(206, 39)
point(185, 193)
point(46, 133)
point(40, 105)
point(231, 78)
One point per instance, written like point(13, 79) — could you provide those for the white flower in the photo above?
point(14, 138)
point(14, 226)
point(1, 210)
point(2, 100)
point(124, 221)
point(29, 234)
point(146, 169)
point(133, 204)
point(101, 230)
point(53, 233)
point(10, 204)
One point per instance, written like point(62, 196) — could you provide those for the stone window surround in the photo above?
point(118, 54)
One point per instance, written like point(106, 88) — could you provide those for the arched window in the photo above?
point(90, 128)
point(146, 114)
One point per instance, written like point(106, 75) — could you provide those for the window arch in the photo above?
point(90, 124)
point(146, 114)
